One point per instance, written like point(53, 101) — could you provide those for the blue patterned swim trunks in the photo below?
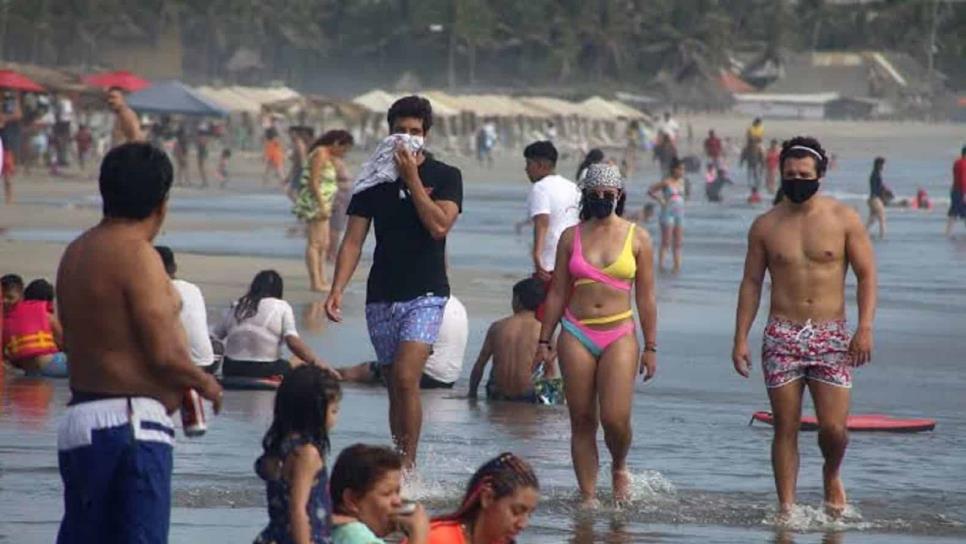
point(391, 323)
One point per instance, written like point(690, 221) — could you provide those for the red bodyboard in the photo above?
point(863, 422)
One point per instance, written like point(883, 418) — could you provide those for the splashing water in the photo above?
point(805, 518)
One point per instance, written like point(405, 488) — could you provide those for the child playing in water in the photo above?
point(293, 465)
point(499, 500)
point(510, 343)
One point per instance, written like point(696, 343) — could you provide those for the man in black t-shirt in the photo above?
point(407, 288)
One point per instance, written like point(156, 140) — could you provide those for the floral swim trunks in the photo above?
point(813, 351)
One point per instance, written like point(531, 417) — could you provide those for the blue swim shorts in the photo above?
point(115, 458)
point(391, 323)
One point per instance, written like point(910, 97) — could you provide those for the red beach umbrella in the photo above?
point(121, 78)
point(10, 79)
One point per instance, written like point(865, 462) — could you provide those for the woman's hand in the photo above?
point(648, 366)
point(327, 368)
point(544, 354)
point(415, 525)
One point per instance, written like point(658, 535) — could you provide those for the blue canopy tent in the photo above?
point(174, 98)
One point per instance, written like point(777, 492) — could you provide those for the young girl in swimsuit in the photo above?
point(293, 465)
point(599, 261)
point(669, 193)
point(499, 500)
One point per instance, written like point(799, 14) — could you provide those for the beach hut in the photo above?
point(230, 101)
point(784, 106)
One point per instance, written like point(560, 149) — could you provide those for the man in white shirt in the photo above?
point(553, 205)
point(670, 127)
point(194, 316)
point(445, 363)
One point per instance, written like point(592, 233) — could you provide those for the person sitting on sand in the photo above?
point(39, 289)
point(499, 500)
point(31, 332)
point(194, 315)
point(365, 485)
point(509, 342)
point(255, 328)
point(445, 363)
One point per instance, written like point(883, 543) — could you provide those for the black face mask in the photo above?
point(799, 190)
point(600, 207)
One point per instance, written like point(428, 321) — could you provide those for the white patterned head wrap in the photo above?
point(602, 175)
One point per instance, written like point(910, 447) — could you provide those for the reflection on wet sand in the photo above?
point(314, 319)
point(786, 536)
point(521, 420)
point(28, 399)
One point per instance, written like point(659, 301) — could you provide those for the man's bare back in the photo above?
point(111, 287)
point(511, 342)
point(118, 310)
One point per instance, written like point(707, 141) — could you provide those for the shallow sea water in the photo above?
point(701, 472)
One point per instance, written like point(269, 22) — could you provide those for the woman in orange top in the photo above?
point(499, 501)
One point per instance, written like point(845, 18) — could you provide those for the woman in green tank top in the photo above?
point(313, 203)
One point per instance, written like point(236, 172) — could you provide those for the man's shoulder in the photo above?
point(556, 183)
point(439, 168)
point(833, 205)
point(768, 219)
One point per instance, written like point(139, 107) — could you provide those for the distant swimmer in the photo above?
point(877, 198)
point(669, 193)
point(130, 365)
point(509, 343)
point(806, 243)
point(957, 195)
point(600, 261)
point(127, 127)
point(771, 166)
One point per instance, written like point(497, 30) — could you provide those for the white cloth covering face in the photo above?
point(380, 167)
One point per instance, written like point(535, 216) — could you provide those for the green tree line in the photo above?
point(510, 43)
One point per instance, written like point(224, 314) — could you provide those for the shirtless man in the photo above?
point(129, 360)
point(509, 342)
point(806, 243)
point(127, 127)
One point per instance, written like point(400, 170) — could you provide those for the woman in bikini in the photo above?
point(599, 261)
point(669, 192)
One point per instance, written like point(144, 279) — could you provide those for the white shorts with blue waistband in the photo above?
point(147, 417)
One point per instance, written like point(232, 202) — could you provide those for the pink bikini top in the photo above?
point(618, 274)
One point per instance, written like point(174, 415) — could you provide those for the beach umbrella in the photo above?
point(175, 98)
point(10, 79)
point(121, 78)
